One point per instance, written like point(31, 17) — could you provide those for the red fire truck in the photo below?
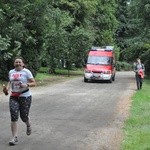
point(100, 64)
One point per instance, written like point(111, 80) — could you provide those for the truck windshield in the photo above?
point(99, 60)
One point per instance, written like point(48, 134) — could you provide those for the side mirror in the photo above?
point(84, 65)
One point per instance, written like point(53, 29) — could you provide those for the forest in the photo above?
point(58, 33)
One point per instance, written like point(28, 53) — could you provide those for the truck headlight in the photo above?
point(107, 72)
point(87, 71)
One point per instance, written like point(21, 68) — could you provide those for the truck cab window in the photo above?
point(99, 60)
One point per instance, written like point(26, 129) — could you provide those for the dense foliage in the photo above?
point(59, 33)
point(133, 34)
point(21, 33)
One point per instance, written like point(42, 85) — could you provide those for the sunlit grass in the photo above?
point(63, 71)
point(137, 127)
point(44, 77)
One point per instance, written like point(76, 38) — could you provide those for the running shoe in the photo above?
point(14, 141)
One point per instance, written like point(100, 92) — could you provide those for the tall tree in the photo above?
point(22, 23)
point(56, 37)
point(105, 22)
point(121, 33)
point(77, 30)
point(136, 34)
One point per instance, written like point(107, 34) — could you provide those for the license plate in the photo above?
point(97, 75)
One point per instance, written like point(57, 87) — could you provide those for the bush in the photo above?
point(123, 66)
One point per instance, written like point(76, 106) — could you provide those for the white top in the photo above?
point(16, 78)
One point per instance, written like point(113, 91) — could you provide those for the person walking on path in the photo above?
point(20, 79)
point(139, 73)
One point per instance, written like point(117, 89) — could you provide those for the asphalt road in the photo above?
point(73, 115)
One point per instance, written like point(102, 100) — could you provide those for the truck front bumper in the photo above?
point(97, 76)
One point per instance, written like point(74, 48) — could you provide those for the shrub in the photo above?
point(123, 66)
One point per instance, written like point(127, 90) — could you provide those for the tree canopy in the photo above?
point(58, 33)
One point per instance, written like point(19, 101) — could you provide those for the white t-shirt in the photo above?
point(16, 78)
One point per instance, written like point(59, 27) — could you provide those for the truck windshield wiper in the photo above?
point(91, 63)
point(101, 64)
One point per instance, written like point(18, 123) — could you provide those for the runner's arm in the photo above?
point(31, 82)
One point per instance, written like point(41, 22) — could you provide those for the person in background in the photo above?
point(139, 73)
point(20, 79)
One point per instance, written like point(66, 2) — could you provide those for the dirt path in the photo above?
point(73, 115)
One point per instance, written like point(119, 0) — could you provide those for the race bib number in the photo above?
point(16, 85)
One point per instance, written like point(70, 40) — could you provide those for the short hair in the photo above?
point(20, 57)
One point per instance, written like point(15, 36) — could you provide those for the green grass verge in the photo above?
point(63, 71)
point(43, 77)
point(137, 126)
